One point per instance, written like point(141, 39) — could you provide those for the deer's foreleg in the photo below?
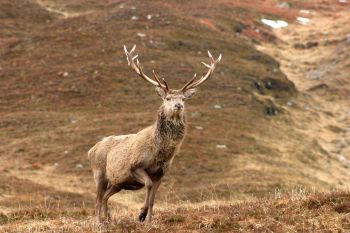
point(151, 200)
point(142, 177)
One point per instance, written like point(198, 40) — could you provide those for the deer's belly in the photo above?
point(132, 185)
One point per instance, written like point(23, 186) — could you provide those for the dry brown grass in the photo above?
point(320, 212)
point(49, 119)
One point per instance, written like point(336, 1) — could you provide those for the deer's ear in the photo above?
point(160, 92)
point(189, 93)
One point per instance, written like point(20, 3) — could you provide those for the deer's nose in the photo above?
point(178, 106)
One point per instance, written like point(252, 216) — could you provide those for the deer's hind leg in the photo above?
point(101, 187)
point(111, 190)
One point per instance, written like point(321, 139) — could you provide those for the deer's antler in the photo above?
point(137, 67)
point(192, 84)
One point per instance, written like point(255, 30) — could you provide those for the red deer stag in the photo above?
point(140, 160)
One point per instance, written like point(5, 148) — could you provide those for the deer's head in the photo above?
point(173, 100)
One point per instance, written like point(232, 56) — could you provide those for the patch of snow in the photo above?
point(199, 127)
point(134, 17)
point(303, 20)
point(274, 23)
point(217, 106)
point(65, 74)
point(149, 16)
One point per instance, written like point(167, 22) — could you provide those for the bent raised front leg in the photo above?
point(142, 177)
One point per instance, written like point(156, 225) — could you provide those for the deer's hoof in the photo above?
point(142, 216)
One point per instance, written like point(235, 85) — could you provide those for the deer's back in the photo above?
point(98, 153)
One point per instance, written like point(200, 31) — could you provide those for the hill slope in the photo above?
point(64, 84)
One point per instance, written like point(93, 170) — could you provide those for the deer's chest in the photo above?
point(161, 162)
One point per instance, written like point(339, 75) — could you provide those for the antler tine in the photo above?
point(138, 69)
point(191, 84)
point(165, 86)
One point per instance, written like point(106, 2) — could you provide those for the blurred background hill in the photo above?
point(273, 119)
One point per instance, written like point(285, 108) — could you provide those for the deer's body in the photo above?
point(140, 160)
point(151, 149)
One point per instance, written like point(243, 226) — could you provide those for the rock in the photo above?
point(65, 74)
point(284, 5)
point(308, 45)
point(221, 146)
point(344, 160)
point(271, 111)
point(303, 11)
point(139, 34)
point(314, 75)
point(199, 127)
point(299, 46)
point(311, 44)
point(239, 28)
point(196, 114)
point(79, 166)
point(19, 150)
point(73, 121)
point(318, 87)
point(348, 38)
point(149, 16)
point(217, 106)
point(134, 17)
point(290, 103)
point(36, 166)
point(303, 20)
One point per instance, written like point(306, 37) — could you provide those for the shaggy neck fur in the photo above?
point(170, 129)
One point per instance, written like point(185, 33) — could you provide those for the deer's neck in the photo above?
point(170, 130)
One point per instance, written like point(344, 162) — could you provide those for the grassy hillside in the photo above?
point(65, 84)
